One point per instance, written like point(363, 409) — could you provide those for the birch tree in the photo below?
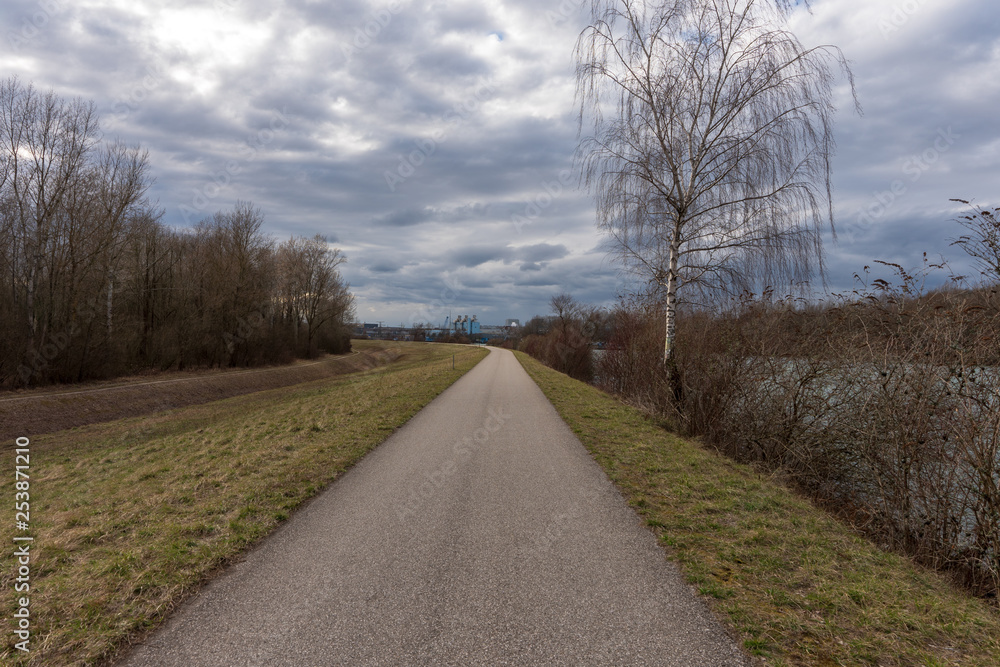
point(709, 155)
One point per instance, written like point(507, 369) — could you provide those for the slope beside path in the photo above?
point(38, 411)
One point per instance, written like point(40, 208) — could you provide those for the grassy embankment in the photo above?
point(129, 517)
point(796, 586)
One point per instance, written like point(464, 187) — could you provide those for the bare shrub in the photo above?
point(884, 404)
point(565, 340)
point(631, 365)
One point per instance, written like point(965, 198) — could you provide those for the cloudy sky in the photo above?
point(432, 141)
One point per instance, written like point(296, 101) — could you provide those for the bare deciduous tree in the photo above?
point(982, 238)
point(122, 181)
point(46, 142)
point(711, 144)
point(312, 290)
point(565, 308)
point(92, 284)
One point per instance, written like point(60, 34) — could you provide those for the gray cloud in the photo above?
point(366, 86)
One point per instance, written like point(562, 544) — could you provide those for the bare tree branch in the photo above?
point(713, 171)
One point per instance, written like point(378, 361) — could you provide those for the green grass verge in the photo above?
point(795, 585)
point(130, 517)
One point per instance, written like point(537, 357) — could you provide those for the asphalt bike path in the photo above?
point(480, 533)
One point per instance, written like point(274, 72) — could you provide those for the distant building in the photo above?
point(363, 329)
point(463, 324)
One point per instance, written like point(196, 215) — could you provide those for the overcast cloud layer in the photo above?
point(433, 141)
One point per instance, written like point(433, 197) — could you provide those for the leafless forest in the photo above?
point(96, 285)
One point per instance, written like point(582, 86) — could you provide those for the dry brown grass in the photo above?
point(795, 585)
point(51, 409)
point(130, 517)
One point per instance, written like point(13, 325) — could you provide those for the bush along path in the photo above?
point(797, 586)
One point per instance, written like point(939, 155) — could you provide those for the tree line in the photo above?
point(94, 284)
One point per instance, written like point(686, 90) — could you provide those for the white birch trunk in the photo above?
point(671, 316)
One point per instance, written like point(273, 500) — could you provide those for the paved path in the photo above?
point(481, 533)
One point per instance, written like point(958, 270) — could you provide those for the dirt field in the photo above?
point(32, 412)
